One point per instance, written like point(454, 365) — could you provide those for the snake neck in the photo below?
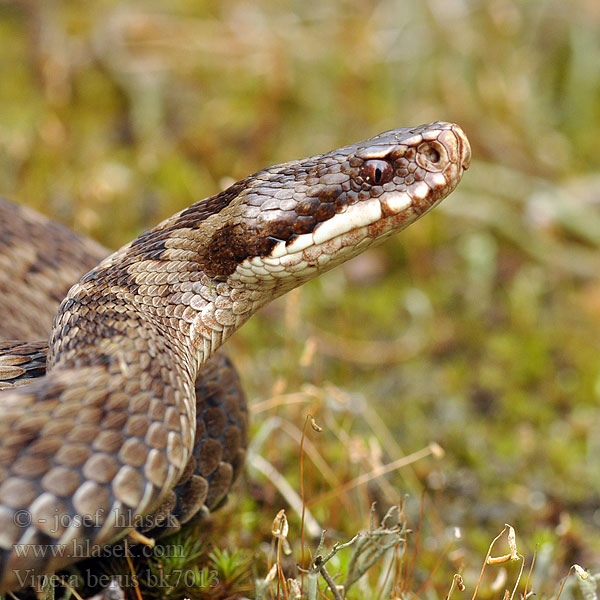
point(177, 317)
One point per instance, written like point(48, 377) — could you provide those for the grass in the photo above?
point(476, 330)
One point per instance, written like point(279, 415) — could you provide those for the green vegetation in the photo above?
point(477, 329)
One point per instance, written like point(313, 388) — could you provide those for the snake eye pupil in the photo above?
point(377, 172)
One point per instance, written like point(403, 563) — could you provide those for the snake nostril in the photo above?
point(432, 155)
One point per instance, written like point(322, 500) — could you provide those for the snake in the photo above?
point(103, 423)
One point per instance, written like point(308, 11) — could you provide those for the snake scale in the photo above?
point(39, 261)
point(106, 428)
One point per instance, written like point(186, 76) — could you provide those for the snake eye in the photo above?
point(377, 172)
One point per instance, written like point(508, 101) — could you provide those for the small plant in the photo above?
point(368, 548)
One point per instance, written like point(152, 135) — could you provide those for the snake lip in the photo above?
point(395, 203)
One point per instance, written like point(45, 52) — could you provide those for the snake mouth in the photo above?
point(371, 220)
point(355, 217)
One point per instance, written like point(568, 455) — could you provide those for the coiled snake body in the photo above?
point(111, 429)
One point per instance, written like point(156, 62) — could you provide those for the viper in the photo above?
point(124, 412)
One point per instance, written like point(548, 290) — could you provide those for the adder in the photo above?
point(123, 414)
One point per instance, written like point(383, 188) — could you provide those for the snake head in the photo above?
point(298, 219)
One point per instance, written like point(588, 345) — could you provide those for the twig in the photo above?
point(279, 531)
point(302, 497)
point(529, 574)
point(485, 562)
point(579, 572)
point(330, 583)
point(72, 590)
point(457, 582)
point(286, 490)
point(432, 449)
point(136, 585)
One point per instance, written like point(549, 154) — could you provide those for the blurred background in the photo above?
point(478, 328)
